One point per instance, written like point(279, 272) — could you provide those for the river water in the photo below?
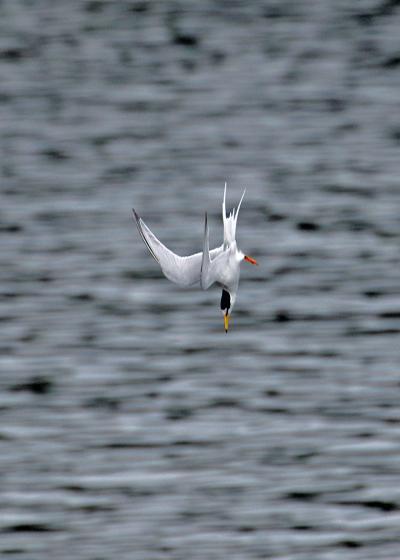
point(131, 426)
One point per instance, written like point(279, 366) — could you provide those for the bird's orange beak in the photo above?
point(250, 259)
point(226, 322)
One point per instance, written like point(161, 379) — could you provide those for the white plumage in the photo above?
point(220, 265)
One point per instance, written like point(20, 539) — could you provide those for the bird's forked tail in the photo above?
point(231, 220)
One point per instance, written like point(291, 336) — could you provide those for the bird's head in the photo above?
point(227, 303)
point(228, 298)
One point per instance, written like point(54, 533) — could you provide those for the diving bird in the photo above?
point(219, 266)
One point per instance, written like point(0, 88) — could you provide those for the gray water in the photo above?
point(131, 426)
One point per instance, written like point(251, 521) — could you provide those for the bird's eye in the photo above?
point(225, 300)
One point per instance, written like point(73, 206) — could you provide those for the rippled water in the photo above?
point(131, 426)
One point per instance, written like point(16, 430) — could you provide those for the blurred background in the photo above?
point(131, 426)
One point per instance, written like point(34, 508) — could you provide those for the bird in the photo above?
point(219, 266)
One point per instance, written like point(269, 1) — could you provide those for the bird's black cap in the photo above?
point(225, 300)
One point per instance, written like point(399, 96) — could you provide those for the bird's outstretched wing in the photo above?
point(212, 268)
point(181, 270)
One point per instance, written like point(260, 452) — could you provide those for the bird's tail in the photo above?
point(231, 220)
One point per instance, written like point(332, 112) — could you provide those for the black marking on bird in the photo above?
point(225, 300)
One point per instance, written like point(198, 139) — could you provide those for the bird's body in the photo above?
point(220, 265)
